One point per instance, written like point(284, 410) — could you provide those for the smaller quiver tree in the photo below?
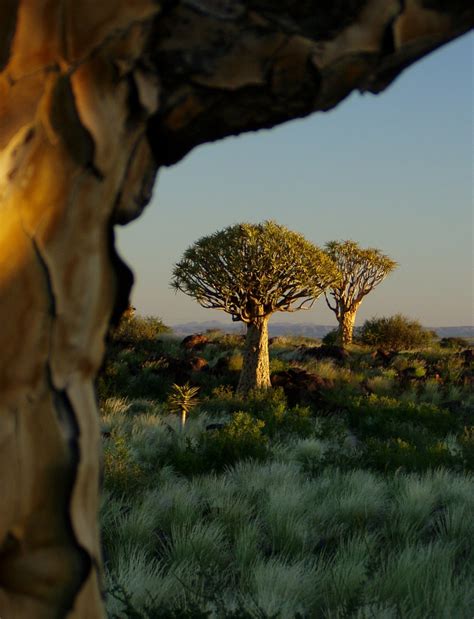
point(252, 271)
point(360, 271)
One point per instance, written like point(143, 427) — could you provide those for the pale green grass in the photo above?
point(114, 416)
point(325, 369)
point(380, 385)
point(309, 453)
point(282, 588)
point(271, 540)
point(228, 506)
point(421, 582)
point(204, 543)
point(248, 545)
point(431, 392)
point(174, 504)
point(139, 575)
point(286, 514)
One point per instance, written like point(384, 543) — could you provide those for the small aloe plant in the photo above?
point(182, 399)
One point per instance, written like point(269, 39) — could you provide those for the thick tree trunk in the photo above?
point(69, 141)
point(87, 90)
point(346, 327)
point(255, 372)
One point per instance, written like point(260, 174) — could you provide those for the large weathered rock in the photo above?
point(94, 97)
point(195, 342)
point(337, 353)
point(300, 386)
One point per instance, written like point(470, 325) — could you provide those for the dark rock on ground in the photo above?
point(197, 341)
point(300, 386)
point(215, 426)
point(325, 352)
point(198, 364)
point(383, 356)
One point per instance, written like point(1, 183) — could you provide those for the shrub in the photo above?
point(137, 328)
point(466, 442)
point(395, 333)
point(396, 453)
point(379, 415)
point(331, 338)
point(122, 475)
point(241, 439)
point(267, 405)
point(236, 362)
point(453, 342)
point(310, 454)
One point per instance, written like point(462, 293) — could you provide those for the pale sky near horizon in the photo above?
point(393, 171)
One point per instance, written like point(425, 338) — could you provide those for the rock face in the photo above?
point(94, 97)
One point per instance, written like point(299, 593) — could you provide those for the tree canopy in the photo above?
point(360, 271)
point(253, 270)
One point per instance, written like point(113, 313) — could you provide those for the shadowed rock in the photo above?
point(325, 352)
point(300, 386)
point(198, 364)
point(195, 342)
point(383, 356)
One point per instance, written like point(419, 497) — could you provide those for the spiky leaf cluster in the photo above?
point(360, 271)
point(182, 399)
point(253, 270)
point(182, 396)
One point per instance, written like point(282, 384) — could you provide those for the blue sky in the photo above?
point(393, 171)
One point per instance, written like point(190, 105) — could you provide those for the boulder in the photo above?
point(195, 342)
point(383, 356)
point(198, 364)
point(300, 386)
point(325, 352)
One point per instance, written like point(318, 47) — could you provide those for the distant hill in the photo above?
point(466, 332)
point(304, 329)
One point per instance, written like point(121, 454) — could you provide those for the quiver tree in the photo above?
point(252, 271)
point(360, 271)
point(94, 98)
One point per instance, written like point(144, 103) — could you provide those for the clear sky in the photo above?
point(393, 171)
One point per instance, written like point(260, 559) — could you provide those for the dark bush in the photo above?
point(394, 333)
point(453, 342)
point(466, 441)
point(331, 338)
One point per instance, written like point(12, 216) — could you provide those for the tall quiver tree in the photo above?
point(252, 271)
point(360, 271)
